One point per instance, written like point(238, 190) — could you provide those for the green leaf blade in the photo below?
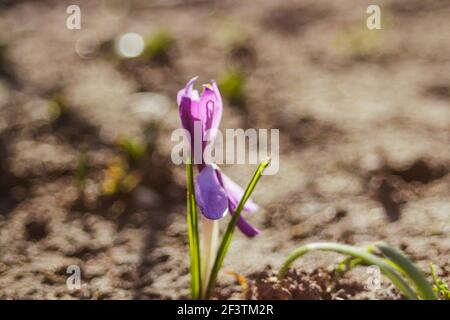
point(440, 287)
point(415, 275)
point(228, 235)
point(194, 246)
point(367, 257)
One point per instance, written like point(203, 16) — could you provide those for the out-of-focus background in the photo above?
point(85, 172)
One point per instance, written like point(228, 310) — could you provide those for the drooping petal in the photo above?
point(236, 192)
point(245, 227)
point(211, 196)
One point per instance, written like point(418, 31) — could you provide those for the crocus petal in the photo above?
point(188, 103)
point(187, 91)
point(211, 196)
point(242, 224)
point(188, 108)
point(246, 228)
point(211, 106)
point(187, 99)
point(204, 113)
point(235, 192)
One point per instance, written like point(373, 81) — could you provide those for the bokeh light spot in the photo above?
point(86, 46)
point(130, 45)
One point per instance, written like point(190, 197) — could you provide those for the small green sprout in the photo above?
point(132, 148)
point(82, 170)
point(3, 48)
point(57, 106)
point(347, 264)
point(395, 265)
point(119, 179)
point(407, 268)
point(440, 287)
point(232, 86)
point(158, 45)
point(360, 43)
point(151, 135)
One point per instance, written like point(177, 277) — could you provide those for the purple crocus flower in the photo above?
point(216, 193)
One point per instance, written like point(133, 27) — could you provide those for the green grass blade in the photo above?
point(415, 275)
point(367, 257)
point(226, 239)
point(440, 287)
point(194, 246)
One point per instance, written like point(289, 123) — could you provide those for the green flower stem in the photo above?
point(194, 247)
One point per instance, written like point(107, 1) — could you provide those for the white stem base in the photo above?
point(209, 243)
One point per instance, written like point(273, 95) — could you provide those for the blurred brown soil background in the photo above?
point(85, 172)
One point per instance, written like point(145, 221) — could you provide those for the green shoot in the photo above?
point(151, 135)
point(194, 246)
point(440, 287)
point(2, 56)
point(119, 178)
point(158, 45)
point(232, 85)
point(359, 42)
point(416, 276)
point(57, 106)
point(228, 235)
point(347, 264)
point(132, 148)
point(364, 255)
point(82, 170)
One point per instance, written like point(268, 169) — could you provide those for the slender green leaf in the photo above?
point(194, 246)
point(416, 276)
point(440, 287)
point(347, 264)
point(226, 239)
point(364, 255)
